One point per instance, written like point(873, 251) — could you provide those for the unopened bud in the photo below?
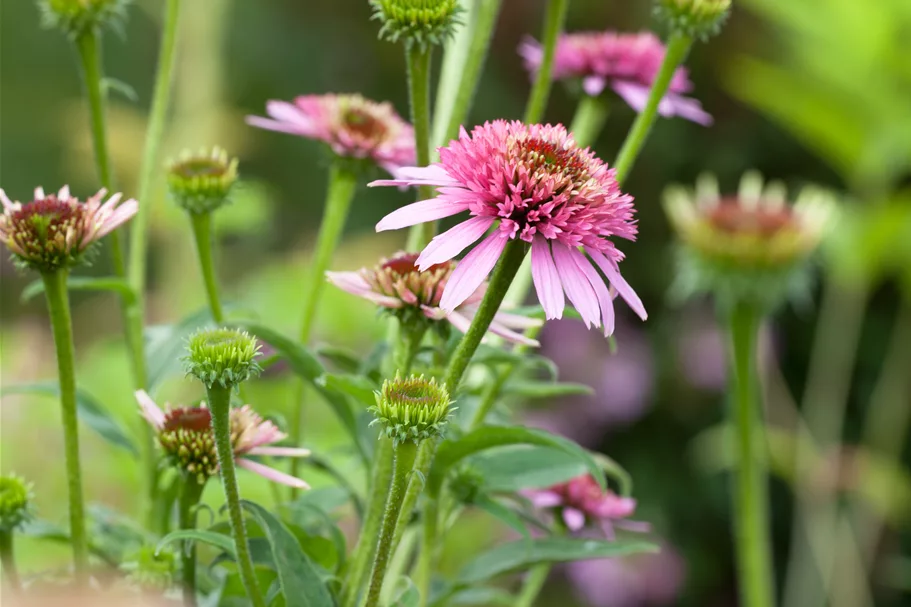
point(200, 183)
point(695, 18)
point(226, 357)
point(422, 22)
point(412, 409)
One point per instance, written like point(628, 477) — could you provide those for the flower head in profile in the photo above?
point(626, 63)
point(53, 232)
point(581, 502)
point(412, 409)
point(16, 506)
point(202, 182)
point(75, 17)
point(533, 183)
point(187, 439)
point(413, 295)
point(354, 127)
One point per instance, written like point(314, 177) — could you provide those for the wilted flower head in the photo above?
point(52, 232)
point(187, 439)
point(15, 502)
point(421, 22)
point(412, 408)
point(226, 357)
point(354, 127)
point(414, 296)
point(581, 501)
point(74, 17)
point(627, 63)
point(202, 182)
point(695, 18)
point(533, 183)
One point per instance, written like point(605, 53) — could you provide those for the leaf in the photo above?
point(539, 389)
point(510, 469)
point(300, 581)
point(219, 540)
point(488, 437)
point(355, 386)
point(84, 283)
point(45, 530)
point(342, 358)
point(405, 593)
point(90, 412)
point(522, 555)
point(503, 514)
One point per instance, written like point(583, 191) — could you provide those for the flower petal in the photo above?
point(152, 412)
point(573, 518)
point(605, 301)
point(512, 336)
point(593, 85)
point(685, 107)
point(613, 275)
point(271, 473)
point(8, 205)
point(546, 279)
point(472, 270)
point(459, 321)
point(453, 241)
point(576, 285)
point(420, 212)
point(280, 451)
point(635, 95)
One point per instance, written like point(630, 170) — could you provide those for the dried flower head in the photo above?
point(627, 63)
point(226, 357)
point(413, 295)
point(421, 22)
point(53, 232)
point(412, 408)
point(200, 183)
point(15, 502)
point(533, 183)
point(74, 17)
point(695, 18)
point(354, 127)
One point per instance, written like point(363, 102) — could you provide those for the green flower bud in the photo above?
point(226, 357)
point(200, 183)
point(466, 484)
point(695, 18)
point(414, 409)
point(423, 22)
point(150, 569)
point(75, 17)
point(15, 502)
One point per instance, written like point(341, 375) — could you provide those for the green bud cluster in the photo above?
point(412, 409)
point(15, 502)
point(75, 17)
point(189, 442)
point(422, 22)
point(695, 18)
point(200, 183)
point(150, 569)
point(226, 357)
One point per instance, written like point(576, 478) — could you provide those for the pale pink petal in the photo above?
point(272, 474)
point(472, 271)
point(546, 279)
point(613, 275)
point(573, 518)
point(121, 215)
point(420, 212)
point(517, 321)
point(545, 499)
point(352, 282)
point(510, 335)
point(531, 52)
point(152, 412)
point(280, 451)
point(688, 108)
point(64, 193)
point(576, 285)
point(8, 205)
point(39, 193)
point(288, 112)
point(593, 85)
point(453, 241)
point(605, 301)
point(459, 321)
point(635, 95)
point(433, 174)
point(274, 125)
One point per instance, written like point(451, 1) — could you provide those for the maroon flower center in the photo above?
point(539, 154)
point(47, 217)
point(731, 216)
point(407, 263)
point(364, 124)
point(195, 419)
point(199, 167)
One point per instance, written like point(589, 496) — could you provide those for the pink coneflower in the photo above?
point(581, 501)
point(628, 63)
point(354, 127)
point(396, 283)
point(53, 231)
point(185, 434)
point(534, 183)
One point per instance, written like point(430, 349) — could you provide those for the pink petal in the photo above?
point(605, 301)
point(687, 108)
point(459, 321)
point(121, 215)
point(420, 212)
point(433, 174)
point(453, 241)
point(274, 125)
point(152, 412)
point(8, 205)
point(576, 285)
point(472, 271)
point(517, 321)
point(613, 275)
point(510, 335)
point(272, 474)
point(635, 95)
point(593, 85)
point(546, 279)
point(280, 451)
point(354, 283)
point(545, 499)
point(573, 518)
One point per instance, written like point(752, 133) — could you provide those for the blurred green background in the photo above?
point(803, 90)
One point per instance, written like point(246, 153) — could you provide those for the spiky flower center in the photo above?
point(363, 123)
point(189, 442)
point(548, 159)
point(194, 419)
point(199, 167)
point(400, 277)
point(761, 220)
point(225, 357)
point(202, 182)
point(413, 408)
point(47, 234)
point(420, 22)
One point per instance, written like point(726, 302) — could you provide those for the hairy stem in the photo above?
point(8, 560)
point(540, 92)
point(202, 235)
point(418, 60)
point(591, 115)
point(190, 492)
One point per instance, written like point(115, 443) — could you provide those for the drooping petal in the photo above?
point(121, 215)
point(453, 241)
point(472, 271)
point(420, 212)
point(546, 280)
point(508, 334)
point(292, 128)
point(685, 107)
point(459, 321)
point(545, 499)
point(280, 451)
point(593, 85)
point(271, 473)
point(576, 285)
point(605, 301)
point(573, 518)
point(635, 95)
point(613, 275)
point(152, 412)
point(517, 321)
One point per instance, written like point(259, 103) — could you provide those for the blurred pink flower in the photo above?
point(351, 125)
point(396, 283)
point(628, 63)
point(534, 183)
point(180, 427)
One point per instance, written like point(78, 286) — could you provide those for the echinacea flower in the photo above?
point(627, 63)
point(533, 183)
point(581, 501)
point(354, 127)
point(186, 436)
point(397, 284)
point(54, 231)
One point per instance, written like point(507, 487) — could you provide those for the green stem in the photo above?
point(407, 347)
point(370, 530)
point(751, 485)
point(418, 60)
point(540, 92)
point(190, 492)
point(405, 454)
point(59, 309)
point(429, 549)
point(220, 405)
point(492, 393)
point(202, 234)
point(8, 560)
point(591, 114)
point(532, 586)
point(422, 466)
point(677, 48)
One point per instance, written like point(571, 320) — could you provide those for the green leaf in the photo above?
point(452, 452)
point(539, 389)
point(219, 540)
point(522, 555)
point(511, 469)
point(300, 581)
point(342, 358)
point(355, 386)
point(90, 412)
point(84, 283)
point(503, 514)
point(405, 593)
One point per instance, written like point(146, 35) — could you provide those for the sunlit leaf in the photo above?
point(84, 283)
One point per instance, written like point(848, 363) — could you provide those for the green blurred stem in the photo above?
point(554, 19)
point(404, 454)
point(58, 306)
point(422, 466)
point(8, 560)
point(591, 115)
point(190, 493)
point(418, 60)
point(751, 524)
point(533, 585)
point(220, 405)
point(202, 235)
point(677, 48)
point(408, 345)
point(429, 549)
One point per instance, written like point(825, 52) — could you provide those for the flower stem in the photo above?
point(202, 234)
point(533, 584)
point(8, 560)
point(751, 486)
point(408, 345)
point(404, 455)
point(677, 48)
point(422, 463)
point(220, 404)
point(591, 114)
point(58, 306)
point(553, 25)
point(190, 492)
point(429, 548)
point(418, 60)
